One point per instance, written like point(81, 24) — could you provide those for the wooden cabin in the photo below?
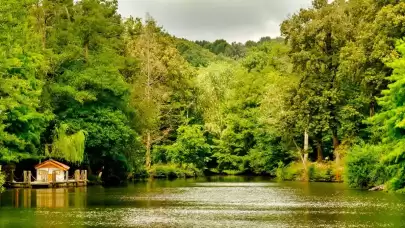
point(46, 169)
point(49, 174)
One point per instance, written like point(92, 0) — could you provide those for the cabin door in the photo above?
point(49, 177)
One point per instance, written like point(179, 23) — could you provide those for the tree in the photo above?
point(86, 87)
point(196, 55)
point(384, 157)
point(190, 147)
point(161, 91)
point(69, 147)
point(316, 37)
point(22, 67)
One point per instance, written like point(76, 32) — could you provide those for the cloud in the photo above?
point(233, 20)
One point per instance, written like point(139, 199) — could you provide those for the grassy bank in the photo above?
point(317, 172)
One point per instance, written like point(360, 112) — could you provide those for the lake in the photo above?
point(206, 202)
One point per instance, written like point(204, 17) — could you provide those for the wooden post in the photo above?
point(67, 178)
point(77, 175)
point(85, 177)
point(25, 177)
point(29, 179)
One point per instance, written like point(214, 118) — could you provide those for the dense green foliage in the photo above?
point(81, 84)
point(2, 181)
point(22, 69)
point(62, 83)
point(382, 159)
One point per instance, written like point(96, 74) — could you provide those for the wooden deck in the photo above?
point(80, 179)
point(37, 184)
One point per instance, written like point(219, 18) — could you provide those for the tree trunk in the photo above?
point(148, 98)
point(336, 144)
point(319, 151)
point(148, 148)
point(306, 139)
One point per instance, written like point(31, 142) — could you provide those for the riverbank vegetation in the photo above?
point(2, 181)
point(120, 95)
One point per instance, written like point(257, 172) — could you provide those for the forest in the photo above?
point(323, 102)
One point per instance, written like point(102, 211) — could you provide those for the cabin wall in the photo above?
point(44, 173)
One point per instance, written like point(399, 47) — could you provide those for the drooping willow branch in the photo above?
point(69, 147)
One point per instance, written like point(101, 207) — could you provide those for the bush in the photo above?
point(394, 184)
point(319, 172)
point(280, 171)
point(363, 167)
point(173, 171)
point(294, 171)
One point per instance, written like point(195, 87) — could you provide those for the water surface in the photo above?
point(207, 202)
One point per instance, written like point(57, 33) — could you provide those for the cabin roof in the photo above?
point(52, 164)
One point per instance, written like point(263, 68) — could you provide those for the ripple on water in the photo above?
point(224, 204)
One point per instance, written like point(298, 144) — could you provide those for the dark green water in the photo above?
point(214, 202)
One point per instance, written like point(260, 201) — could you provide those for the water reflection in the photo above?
point(212, 202)
point(45, 198)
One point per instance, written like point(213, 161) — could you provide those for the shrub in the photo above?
point(313, 172)
point(394, 184)
point(280, 171)
point(363, 167)
point(321, 172)
point(173, 171)
point(294, 171)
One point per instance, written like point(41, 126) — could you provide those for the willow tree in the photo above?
point(69, 147)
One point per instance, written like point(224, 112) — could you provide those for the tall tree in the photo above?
point(22, 67)
point(86, 87)
point(316, 37)
point(160, 91)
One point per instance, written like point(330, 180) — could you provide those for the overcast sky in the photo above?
point(233, 20)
